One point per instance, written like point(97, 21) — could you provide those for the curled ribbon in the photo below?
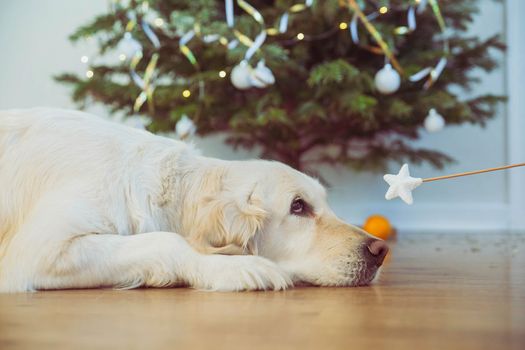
point(183, 47)
point(145, 83)
point(433, 73)
point(283, 21)
point(255, 44)
point(411, 23)
point(353, 25)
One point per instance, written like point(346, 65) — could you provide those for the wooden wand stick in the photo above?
point(472, 172)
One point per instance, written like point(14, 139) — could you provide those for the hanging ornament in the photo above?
point(387, 80)
point(128, 47)
point(434, 122)
point(185, 127)
point(261, 76)
point(244, 76)
point(241, 75)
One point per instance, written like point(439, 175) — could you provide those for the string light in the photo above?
point(383, 10)
point(84, 59)
point(89, 74)
point(222, 74)
point(186, 93)
point(300, 36)
point(159, 22)
point(122, 57)
point(343, 25)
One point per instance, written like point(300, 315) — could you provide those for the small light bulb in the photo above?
point(186, 93)
point(159, 22)
point(89, 74)
point(383, 10)
point(122, 57)
point(343, 25)
point(222, 74)
point(223, 41)
point(300, 36)
point(84, 59)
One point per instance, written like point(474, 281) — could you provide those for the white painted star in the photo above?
point(401, 185)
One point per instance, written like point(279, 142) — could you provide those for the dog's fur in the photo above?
point(89, 203)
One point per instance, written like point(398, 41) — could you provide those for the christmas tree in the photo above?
point(172, 60)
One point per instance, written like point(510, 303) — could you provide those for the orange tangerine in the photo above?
point(379, 226)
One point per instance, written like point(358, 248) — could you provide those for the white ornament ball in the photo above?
point(241, 76)
point(387, 80)
point(262, 76)
point(185, 127)
point(434, 122)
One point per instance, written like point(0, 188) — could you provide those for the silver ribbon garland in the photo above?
point(145, 83)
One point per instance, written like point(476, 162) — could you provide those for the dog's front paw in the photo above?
point(236, 273)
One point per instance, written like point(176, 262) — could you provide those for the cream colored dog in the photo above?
point(88, 203)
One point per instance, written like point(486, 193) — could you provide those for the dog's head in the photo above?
point(269, 209)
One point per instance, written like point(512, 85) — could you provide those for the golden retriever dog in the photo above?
point(86, 203)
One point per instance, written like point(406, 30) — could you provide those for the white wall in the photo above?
point(516, 110)
point(34, 46)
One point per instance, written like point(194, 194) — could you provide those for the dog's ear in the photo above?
point(227, 221)
point(249, 219)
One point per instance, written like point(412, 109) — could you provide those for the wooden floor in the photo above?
point(454, 291)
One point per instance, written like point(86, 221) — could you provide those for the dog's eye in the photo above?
point(298, 207)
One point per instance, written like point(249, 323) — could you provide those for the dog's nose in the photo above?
point(375, 251)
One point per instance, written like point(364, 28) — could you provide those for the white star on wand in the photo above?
point(401, 185)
